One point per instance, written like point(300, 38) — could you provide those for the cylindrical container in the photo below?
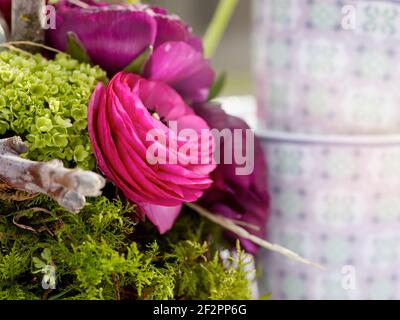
point(328, 66)
point(335, 201)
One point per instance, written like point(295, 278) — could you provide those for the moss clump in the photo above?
point(102, 254)
point(45, 102)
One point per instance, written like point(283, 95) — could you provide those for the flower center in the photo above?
point(156, 116)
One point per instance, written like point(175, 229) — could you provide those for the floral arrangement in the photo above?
point(82, 117)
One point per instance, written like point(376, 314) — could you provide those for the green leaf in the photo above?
point(44, 124)
point(76, 49)
point(217, 86)
point(39, 264)
point(138, 64)
point(46, 255)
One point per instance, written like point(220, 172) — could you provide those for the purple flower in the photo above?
point(242, 198)
point(5, 9)
point(115, 35)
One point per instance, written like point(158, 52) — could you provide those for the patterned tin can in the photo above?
point(335, 201)
point(328, 66)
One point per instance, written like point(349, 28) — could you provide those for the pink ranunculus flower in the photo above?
point(115, 35)
point(243, 198)
point(121, 116)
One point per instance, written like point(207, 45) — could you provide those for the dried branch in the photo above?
point(68, 187)
point(8, 193)
point(230, 225)
point(11, 45)
point(23, 213)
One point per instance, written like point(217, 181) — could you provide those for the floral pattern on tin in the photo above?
point(380, 18)
point(281, 12)
point(339, 221)
point(324, 15)
point(327, 58)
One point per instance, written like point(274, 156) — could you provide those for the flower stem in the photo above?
point(230, 225)
point(218, 25)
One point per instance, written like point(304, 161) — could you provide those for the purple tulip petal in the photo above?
point(182, 67)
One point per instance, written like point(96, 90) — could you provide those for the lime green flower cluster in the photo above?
point(45, 102)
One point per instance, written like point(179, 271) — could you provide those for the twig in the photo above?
point(6, 193)
point(115, 280)
point(246, 224)
point(11, 44)
point(239, 231)
point(29, 228)
point(11, 47)
point(79, 3)
point(68, 187)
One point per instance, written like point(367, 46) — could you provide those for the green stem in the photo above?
point(218, 25)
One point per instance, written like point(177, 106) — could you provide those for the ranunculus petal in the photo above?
point(112, 38)
point(162, 217)
point(243, 198)
point(182, 67)
point(115, 35)
point(197, 43)
point(120, 118)
point(171, 29)
point(163, 100)
point(93, 111)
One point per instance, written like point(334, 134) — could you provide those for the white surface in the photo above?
point(245, 107)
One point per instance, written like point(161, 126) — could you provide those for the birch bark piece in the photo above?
point(27, 21)
point(69, 187)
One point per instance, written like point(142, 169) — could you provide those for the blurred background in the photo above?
point(234, 52)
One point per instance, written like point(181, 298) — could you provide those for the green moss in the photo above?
point(102, 254)
point(45, 102)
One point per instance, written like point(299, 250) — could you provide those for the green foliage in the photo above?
point(138, 64)
point(13, 264)
point(102, 254)
point(76, 49)
point(45, 102)
point(217, 86)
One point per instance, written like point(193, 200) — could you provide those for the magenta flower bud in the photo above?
point(122, 119)
point(243, 198)
point(115, 35)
